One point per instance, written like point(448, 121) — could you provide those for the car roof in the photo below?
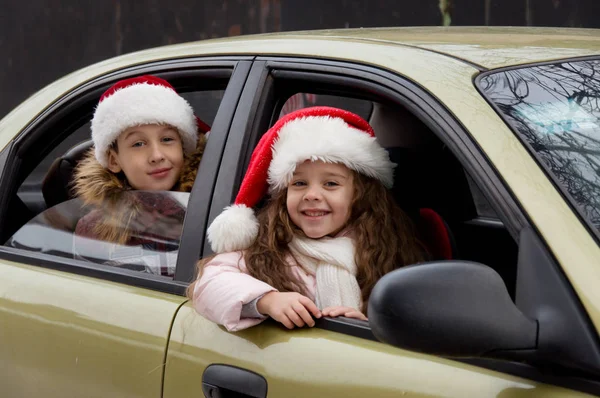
point(482, 46)
point(432, 55)
point(487, 47)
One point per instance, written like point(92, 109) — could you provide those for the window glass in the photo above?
point(556, 109)
point(152, 231)
point(30, 190)
point(204, 103)
point(136, 230)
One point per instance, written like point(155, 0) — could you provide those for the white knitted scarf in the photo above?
point(332, 261)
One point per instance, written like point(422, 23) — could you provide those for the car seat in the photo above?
point(57, 184)
point(412, 190)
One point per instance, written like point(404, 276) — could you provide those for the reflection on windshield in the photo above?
point(556, 109)
point(153, 235)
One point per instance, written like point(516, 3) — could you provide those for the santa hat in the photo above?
point(142, 100)
point(319, 133)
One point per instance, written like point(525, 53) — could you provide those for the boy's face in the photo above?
point(150, 156)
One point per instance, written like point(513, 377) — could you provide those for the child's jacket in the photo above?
point(225, 287)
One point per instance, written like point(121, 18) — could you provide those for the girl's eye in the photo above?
point(331, 184)
point(298, 183)
point(137, 144)
point(168, 139)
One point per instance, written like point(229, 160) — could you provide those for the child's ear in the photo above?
point(113, 162)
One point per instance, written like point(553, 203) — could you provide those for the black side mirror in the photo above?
point(450, 308)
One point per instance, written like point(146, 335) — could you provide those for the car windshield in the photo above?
point(556, 109)
point(153, 234)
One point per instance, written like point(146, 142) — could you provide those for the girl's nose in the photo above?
point(312, 193)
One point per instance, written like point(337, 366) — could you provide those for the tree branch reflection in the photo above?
point(556, 109)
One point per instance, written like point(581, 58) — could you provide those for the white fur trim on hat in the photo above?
point(234, 229)
point(139, 104)
point(330, 140)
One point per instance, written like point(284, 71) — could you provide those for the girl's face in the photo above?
point(319, 198)
point(150, 156)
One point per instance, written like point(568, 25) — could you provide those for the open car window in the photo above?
point(151, 228)
point(363, 108)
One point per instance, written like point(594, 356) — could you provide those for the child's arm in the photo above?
point(290, 308)
point(224, 288)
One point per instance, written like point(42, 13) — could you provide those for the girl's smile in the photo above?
point(314, 213)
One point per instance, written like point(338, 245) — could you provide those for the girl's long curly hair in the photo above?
point(384, 236)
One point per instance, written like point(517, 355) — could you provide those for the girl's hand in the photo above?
point(348, 312)
point(291, 309)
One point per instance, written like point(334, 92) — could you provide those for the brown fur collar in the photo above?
point(106, 191)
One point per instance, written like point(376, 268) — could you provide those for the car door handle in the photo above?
point(224, 381)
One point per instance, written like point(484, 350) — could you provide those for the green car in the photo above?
point(496, 133)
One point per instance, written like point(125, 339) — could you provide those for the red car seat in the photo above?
point(412, 191)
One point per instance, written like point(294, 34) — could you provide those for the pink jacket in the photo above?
point(225, 287)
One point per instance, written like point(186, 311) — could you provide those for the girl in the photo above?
point(330, 230)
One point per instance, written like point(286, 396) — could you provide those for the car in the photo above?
point(496, 137)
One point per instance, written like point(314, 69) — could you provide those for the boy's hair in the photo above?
point(384, 238)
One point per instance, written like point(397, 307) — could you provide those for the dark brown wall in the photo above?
point(41, 41)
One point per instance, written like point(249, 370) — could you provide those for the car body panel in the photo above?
point(308, 363)
point(76, 336)
point(489, 47)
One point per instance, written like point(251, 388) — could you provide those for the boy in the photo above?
point(146, 137)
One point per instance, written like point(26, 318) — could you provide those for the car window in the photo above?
point(556, 109)
point(204, 103)
point(145, 232)
point(152, 232)
point(297, 101)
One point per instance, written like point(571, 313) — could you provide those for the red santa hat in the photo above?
point(319, 133)
point(142, 100)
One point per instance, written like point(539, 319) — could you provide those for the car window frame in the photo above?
point(569, 200)
point(235, 67)
point(249, 127)
point(436, 116)
point(416, 99)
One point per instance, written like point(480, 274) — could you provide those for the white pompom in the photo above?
point(234, 229)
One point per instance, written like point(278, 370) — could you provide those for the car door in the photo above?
point(339, 357)
point(83, 328)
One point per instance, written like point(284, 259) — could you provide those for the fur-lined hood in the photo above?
point(107, 192)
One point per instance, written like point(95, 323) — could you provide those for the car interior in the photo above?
point(454, 219)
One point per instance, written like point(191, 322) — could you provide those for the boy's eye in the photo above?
point(137, 144)
point(168, 139)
